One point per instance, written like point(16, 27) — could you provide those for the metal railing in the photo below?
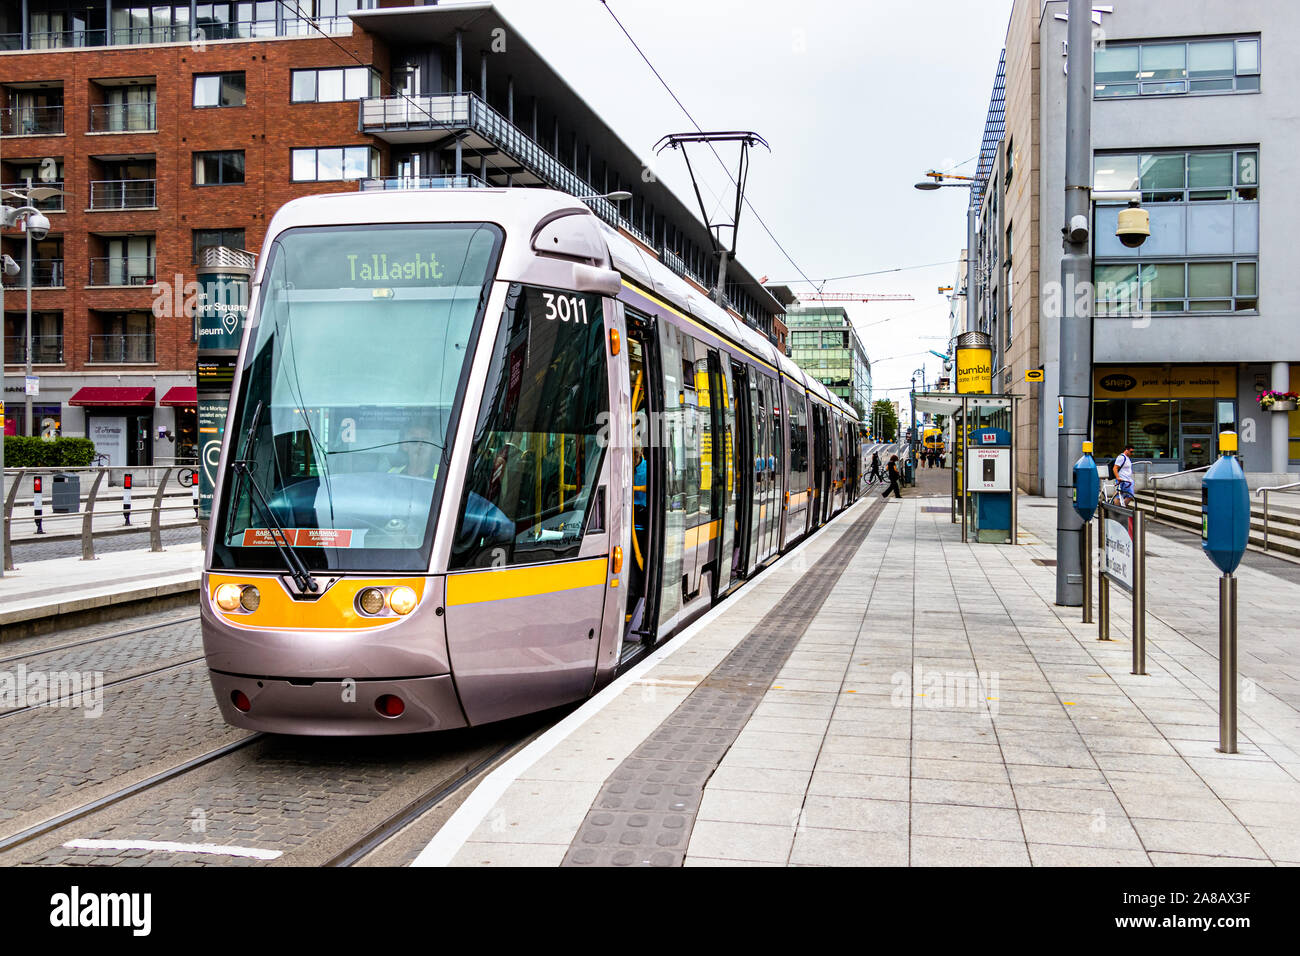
point(174, 33)
point(184, 474)
point(46, 349)
point(133, 349)
point(1155, 492)
point(424, 182)
point(122, 270)
point(46, 274)
point(1265, 492)
point(123, 194)
point(123, 117)
point(31, 120)
point(53, 204)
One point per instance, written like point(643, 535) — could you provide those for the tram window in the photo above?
point(537, 453)
point(798, 416)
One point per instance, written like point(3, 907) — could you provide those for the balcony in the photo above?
point(46, 350)
point(46, 274)
point(122, 271)
point(123, 194)
point(424, 182)
point(53, 204)
point(31, 120)
point(124, 118)
point(174, 33)
point(132, 349)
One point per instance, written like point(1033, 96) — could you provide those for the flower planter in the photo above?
point(1281, 406)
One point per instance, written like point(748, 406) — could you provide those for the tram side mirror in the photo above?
point(597, 280)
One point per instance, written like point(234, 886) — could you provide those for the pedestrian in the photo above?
point(1122, 471)
point(893, 478)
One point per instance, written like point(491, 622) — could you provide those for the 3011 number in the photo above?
point(566, 308)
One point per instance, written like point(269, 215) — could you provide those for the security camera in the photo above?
point(11, 268)
point(1079, 229)
point(38, 226)
point(1134, 226)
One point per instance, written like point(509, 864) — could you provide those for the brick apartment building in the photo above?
point(171, 127)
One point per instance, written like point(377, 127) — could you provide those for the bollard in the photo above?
point(1228, 664)
point(1087, 572)
point(1103, 608)
point(126, 497)
point(37, 505)
point(1139, 594)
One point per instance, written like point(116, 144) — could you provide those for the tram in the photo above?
point(483, 451)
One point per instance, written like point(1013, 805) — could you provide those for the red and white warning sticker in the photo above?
point(300, 537)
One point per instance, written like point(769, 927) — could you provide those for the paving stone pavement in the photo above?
point(940, 709)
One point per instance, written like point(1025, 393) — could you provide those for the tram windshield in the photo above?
point(357, 355)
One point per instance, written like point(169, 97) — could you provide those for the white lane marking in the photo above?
point(447, 842)
point(167, 846)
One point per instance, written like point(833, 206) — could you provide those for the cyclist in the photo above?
point(1122, 469)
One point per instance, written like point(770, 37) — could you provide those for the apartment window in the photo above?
point(328, 163)
point(332, 86)
point(1195, 286)
point(219, 168)
point(230, 238)
point(218, 89)
point(1221, 65)
point(1182, 176)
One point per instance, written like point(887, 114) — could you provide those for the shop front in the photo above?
point(119, 420)
point(1168, 413)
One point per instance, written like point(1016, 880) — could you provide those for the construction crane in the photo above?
point(851, 297)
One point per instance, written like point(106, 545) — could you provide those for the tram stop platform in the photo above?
point(886, 695)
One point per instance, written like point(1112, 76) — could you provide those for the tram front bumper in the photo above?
point(338, 708)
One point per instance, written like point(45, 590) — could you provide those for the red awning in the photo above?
point(181, 395)
point(98, 396)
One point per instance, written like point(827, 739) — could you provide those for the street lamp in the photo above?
point(938, 180)
point(35, 223)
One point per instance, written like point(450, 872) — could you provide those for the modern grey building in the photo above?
point(1194, 106)
point(824, 344)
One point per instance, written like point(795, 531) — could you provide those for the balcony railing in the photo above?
point(119, 270)
point(122, 349)
point(424, 182)
point(46, 350)
point(53, 204)
point(31, 120)
point(175, 33)
point(46, 274)
point(123, 117)
point(123, 194)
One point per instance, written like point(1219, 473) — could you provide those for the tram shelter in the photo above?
point(984, 478)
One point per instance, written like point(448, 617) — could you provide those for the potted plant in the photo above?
point(1271, 401)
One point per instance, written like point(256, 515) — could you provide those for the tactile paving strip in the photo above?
point(644, 814)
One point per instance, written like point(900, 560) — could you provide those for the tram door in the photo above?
point(743, 472)
point(648, 493)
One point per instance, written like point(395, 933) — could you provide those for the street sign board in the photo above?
point(32, 385)
point(1034, 375)
point(1117, 551)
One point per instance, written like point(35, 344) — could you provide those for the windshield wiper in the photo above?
point(242, 469)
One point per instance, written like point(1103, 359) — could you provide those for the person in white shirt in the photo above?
point(1123, 469)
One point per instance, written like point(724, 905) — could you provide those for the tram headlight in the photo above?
point(402, 600)
point(227, 596)
point(250, 598)
point(371, 601)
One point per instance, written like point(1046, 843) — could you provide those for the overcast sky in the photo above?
point(856, 99)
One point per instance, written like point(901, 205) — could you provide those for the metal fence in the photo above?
point(46, 349)
point(123, 194)
point(136, 347)
point(122, 270)
point(45, 274)
point(1265, 492)
point(52, 204)
point(31, 120)
point(123, 117)
point(177, 476)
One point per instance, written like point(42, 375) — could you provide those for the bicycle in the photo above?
point(1110, 494)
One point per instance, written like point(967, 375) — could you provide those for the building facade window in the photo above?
point(1219, 65)
point(333, 86)
point(223, 168)
point(1203, 254)
point(215, 90)
point(204, 238)
point(330, 163)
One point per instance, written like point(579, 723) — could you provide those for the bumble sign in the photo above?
point(974, 364)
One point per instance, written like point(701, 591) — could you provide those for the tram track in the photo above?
point(48, 702)
point(61, 820)
point(95, 640)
